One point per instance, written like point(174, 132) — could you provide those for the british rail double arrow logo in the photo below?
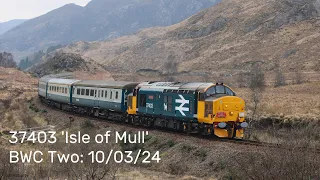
point(180, 108)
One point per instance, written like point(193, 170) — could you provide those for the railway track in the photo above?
point(208, 138)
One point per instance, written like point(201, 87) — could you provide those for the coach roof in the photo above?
point(63, 81)
point(106, 84)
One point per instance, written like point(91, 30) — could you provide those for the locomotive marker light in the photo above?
point(241, 114)
point(180, 108)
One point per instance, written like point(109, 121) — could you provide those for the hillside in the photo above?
point(221, 42)
point(65, 62)
point(99, 20)
point(6, 26)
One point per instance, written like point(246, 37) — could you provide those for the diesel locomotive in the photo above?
point(204, 108)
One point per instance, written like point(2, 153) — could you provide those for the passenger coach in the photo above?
point(102, 96)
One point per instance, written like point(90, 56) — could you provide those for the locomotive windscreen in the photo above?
point(219, 90)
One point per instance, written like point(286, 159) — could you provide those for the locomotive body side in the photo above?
point(193, 107)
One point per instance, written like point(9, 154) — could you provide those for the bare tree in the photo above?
point(279, 78)
point(242, 80)
point(93, 170)
point(6, 60)
point(257, 86)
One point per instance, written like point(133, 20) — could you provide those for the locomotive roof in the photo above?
point(63, 81)
point(106, 84)
point(191, 86)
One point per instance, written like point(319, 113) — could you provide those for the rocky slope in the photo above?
point(221, 42)
point(65, 62)
point(99, 20)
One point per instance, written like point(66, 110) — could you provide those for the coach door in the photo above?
point(97, 97)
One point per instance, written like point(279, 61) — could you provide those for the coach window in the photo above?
point(87, 92)
point(102, 93)
point(106, 94)
point(117, 94)
point(66, 90)
point(110, 94)
point(143, 100)
point(91, 92)
point(78, 91)
point(82, 92)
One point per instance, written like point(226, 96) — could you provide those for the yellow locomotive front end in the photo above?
point(219, 106)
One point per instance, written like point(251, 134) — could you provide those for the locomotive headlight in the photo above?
point(222, 125)
point(244, 124)
point(241, 114)
point(231, 113)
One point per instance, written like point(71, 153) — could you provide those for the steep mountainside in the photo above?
point(5, 26)
point(224, 40)
point(99, 20)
